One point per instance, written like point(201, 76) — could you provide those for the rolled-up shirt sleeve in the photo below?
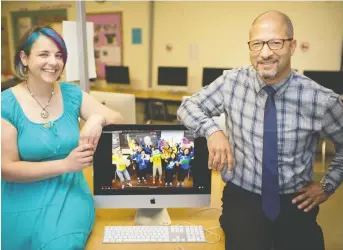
point(197, 111)
point(332, 127)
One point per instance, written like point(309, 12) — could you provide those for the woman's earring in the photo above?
point(25, 69)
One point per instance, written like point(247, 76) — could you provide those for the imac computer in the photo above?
point(151, 168)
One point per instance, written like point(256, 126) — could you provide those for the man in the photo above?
point(274, 118)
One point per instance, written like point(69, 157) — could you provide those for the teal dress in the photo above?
point(56, 213)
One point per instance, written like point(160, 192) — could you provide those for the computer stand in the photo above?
point(152, 217)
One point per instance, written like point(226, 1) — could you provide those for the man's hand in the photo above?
point(219, 152)
point(311, 195)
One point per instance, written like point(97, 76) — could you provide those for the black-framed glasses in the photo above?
point(273, 44)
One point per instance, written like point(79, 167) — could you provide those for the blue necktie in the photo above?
point(270, 178)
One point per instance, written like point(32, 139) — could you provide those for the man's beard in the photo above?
point(271, 75)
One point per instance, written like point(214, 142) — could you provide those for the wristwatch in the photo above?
point(327, 187)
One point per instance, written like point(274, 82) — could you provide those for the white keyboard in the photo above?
point(157, 234)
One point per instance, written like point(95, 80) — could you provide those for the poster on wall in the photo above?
point(108, 40)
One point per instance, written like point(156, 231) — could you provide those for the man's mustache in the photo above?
point(270, 60)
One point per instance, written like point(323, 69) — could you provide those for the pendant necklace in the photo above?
point(44, 113)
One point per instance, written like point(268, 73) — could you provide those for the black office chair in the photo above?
point(158, 113)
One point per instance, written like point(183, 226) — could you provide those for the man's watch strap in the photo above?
point(327, 187)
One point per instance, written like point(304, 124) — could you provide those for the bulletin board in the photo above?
point(24, 20)
point(108, 40)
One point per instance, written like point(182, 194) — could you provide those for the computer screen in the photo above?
point(211, 74)
point(172, 76)
point(151, 166)
point(328, 79)
point(117, 74)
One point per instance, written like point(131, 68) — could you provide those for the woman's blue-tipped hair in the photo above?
point(30, 38)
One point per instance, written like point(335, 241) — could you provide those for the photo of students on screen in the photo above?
point(153, 159)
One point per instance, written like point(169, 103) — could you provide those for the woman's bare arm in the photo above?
point(15, 170)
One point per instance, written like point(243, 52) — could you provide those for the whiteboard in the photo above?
point(70, 38)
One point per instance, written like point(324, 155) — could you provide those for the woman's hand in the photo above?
point(91, 131)
point(81, 157)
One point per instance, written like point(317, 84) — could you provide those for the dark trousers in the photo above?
point(247, 228)
point(169, 175)
point(182, 174)
point(141, 172)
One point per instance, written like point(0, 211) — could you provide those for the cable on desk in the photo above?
point(205, 209)
point(206, 231)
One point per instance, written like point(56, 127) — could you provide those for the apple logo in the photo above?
point(153, 201)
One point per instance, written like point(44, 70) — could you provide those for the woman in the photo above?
point(46, 202)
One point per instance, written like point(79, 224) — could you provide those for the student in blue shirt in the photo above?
point(171, 164)
point(184, 160)
point(142, 161)
point(146, 148)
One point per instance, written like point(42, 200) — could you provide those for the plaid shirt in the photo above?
point(304, 111)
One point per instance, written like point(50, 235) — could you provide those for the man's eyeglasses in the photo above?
point(273, 44)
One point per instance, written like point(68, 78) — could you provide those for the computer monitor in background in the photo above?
point(211, 74)
point(148, 195)
point(328, 79)
point(172, 76)
point(117, 74)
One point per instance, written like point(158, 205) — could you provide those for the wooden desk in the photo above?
point(145, 95)
point(125, 217)
point(142, 95)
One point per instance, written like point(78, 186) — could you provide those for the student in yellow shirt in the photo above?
point(167, 150)
point(156, 159)
point(122, 163)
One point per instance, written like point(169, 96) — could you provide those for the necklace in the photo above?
point(44, 113)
